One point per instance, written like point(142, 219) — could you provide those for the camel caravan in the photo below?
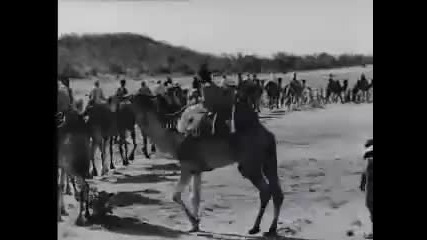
point(207, 127)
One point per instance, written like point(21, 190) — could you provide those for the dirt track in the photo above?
point(320, 163)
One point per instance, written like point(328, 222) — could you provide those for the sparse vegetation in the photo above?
point(81, 55)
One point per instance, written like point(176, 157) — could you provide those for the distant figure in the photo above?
point(294, 77)
point(196, 83)
point(159, 89)
point(169, 80)
point(279, 81)
point(204, 74)
point(239, 79)
point(122, 90)
point(367, 182)
point(362, 77)
point(254, 77)
point(144, 89)
point(97, 96)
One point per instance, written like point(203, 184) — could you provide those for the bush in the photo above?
point(116, 69)
point(70, 71)
point(185, 69)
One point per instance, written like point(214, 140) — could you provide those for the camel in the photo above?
point(293, 91)
point(63, 106)
point(361, 89)
point(252, 147)
point(74, 160)
point(273, 93)
point(251, 92)
point(335, 90)
point(105, 122)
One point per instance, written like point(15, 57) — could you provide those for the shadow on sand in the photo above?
point(133, 226)
point(123, 199)
point(230, 236)
point(165, 167)
point(144, 178)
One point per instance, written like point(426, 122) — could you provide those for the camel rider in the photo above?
point(294, 82)
point(219, 101)
point(122, 91)
point(169, 81)
point(204, 74)
point(159, 89)
point(144, 90)
point(97, 96)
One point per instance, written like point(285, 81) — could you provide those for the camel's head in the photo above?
point(191, 118)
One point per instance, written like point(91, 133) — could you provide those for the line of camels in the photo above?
point(251, 146)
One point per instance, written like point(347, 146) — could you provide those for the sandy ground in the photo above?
point(319, 154)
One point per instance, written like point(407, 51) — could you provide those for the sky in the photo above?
point(260, 27)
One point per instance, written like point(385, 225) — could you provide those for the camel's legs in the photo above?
point(81, 220)
point(196, 193)
point(133, 136)
point(122, 141)
point(145, 146)
point(86, 199)
point(126, 148)
point(183, 182)
point(277, 194)
point(61, 205)
point(103, 158)
point(95, 144)
point(67, 186)
point(111, 153)
point(264, 193)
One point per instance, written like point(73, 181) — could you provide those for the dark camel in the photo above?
point(252, 147)
point(105, 122)
point(74, 160)
point(273, 93)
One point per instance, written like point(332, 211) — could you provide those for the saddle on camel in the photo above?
point(216, 115)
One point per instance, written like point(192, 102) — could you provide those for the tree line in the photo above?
point(132, 54)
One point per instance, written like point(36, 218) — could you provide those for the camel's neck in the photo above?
point(164, 139)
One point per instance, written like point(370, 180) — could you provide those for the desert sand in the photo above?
point(320, 162)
